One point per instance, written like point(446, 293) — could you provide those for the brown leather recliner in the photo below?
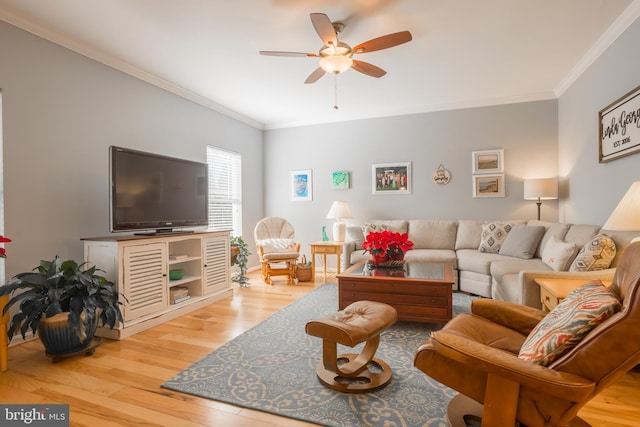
point(477, 355)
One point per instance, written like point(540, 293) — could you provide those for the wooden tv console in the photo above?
point(139, 266)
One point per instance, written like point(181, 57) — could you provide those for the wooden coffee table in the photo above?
point(420, 291)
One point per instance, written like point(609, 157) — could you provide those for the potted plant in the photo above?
point(64, 302)
point(387, 248)
point(240, 247)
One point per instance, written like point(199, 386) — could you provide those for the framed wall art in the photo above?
point(488, 161)
point(301, 185)
point(340, 180)
point(620, 127)
point(391, 178)
point(488, 185)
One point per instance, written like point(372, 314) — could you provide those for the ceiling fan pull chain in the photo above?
point(335, 91)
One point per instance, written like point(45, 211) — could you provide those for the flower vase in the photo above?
point(385, 261)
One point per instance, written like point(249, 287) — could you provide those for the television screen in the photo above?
point(154, 192)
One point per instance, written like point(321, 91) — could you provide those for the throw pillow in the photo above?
point(595, 255)
point(569, 322)
point(369, 228)
point(522, 241)
point(354, 234)
point(493, 234)
point(558, 254)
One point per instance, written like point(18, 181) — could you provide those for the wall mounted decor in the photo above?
point(441, 176)
point(488, 185)
point(301, 185)
point(620, 127)
point(488, 161)
point(340, 180)
point(391, 178)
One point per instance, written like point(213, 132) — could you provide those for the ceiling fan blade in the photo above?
point(368, 69)
point(324, 28)
point(315, 76)
point(278, 53)
point(383, 42)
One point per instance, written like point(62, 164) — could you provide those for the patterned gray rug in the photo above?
point(271, 368)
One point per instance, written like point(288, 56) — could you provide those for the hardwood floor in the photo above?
point(120, 384)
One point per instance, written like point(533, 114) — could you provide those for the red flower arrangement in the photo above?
point(387, 245)
point(3, 251)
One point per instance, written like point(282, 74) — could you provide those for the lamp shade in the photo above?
point(541, 189)
point(626, 216)
point(339, 210)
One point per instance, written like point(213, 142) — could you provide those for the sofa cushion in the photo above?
point(478, 262)
point(433, 234)
point(569, 322)
point(558, 254)
point(353, 233)
point(595, 255)
point(468, 236)
point(510, 265)
point(432, 255)
point(522, 241)
point(581, 234)
point(556, 229)
point(493, 235)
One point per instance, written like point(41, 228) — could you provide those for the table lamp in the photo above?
point(626, 216)
point(339, 210)
point(541, 189)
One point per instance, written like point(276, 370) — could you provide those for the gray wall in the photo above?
point(591, 189)
point(527, 132)
point(61, 111)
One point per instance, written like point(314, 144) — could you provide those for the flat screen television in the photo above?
point(155, 194)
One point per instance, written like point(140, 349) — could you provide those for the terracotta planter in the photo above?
point(59, 338)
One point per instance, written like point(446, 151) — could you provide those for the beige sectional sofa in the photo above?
point(493, 275)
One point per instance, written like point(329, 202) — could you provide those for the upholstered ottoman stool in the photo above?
point(359, 322)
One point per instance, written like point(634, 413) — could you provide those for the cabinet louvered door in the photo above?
point(216, 263)
point(144, 268)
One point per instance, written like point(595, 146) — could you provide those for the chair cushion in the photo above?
point(597, 254)
point(522, 241)
point(558, 254)
point(493, 234)
point(278, 245)
point(569, 322)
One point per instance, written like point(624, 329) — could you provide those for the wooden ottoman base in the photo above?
point(359, 322)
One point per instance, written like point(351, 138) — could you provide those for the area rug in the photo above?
point(271, 368)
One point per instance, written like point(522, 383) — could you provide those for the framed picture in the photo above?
point(488, 161)
point(620, 127)
point(301, 185)
point(488, 185)
point(340, 180)
point(391, 178)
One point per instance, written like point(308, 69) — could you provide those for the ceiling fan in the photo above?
point(336, 56)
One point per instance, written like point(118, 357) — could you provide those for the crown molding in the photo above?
point(103, 58)
point(624, 21)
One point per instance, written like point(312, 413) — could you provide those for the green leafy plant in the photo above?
point(241, 260)
point(56, 287)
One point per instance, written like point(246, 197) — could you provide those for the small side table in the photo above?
point(553, 291)
point(324, 249)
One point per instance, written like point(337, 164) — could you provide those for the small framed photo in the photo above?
point(340, 180)
point(488, 161)
point(488, 185)
point(391, 178)
point(301, 185)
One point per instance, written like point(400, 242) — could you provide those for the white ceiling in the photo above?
point(464, 53)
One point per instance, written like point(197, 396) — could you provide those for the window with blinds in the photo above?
point(225, 190)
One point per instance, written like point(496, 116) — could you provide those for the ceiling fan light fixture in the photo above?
point(336, 64)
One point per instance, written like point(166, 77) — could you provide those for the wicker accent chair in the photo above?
point(277, 248)
point(477, 355)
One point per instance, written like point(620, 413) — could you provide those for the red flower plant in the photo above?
point(387, 243)
point(3, 251)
